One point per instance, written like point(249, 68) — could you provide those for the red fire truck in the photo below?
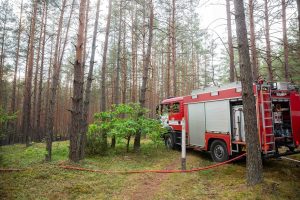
point(214, 119)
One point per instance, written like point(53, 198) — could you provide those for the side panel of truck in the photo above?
point(197, 124)
point(205, 117)
point(295, 115)
point(218, 116)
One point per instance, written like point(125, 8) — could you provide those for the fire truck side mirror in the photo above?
point(274, 86)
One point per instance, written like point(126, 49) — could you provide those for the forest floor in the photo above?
point(42, 180)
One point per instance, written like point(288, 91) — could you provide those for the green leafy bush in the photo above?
point(123, 122)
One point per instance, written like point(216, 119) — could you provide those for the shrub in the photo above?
point(123, 121)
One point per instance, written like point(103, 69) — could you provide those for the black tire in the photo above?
point(218, 151)
point(292, 149)
point(169, 141)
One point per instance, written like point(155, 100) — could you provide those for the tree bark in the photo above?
point(173, 33)
point(268, 44)
point(142, 99)
point(67, 33)
point(117, 80)
point(103, 68)
point(2, 104)
point(85, 32)
point(53, 89)
point(48, 84)
point(285, 42)
point(14, 88)
point(124, 67)
point(77, 99)
point(168, 82)
point(35, 89)
point(254, 60)
point(28, 81)
point(254, 161)
point(298, 12)
point(40, 88)
point(89, 84)
point(13, 99)
point(230, 44)
point(39, 100)
point(134, 55)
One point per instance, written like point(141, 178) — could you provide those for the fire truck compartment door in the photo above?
point(197, 124)
point(218, 116)
point(295, 116)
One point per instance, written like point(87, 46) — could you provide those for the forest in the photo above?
point(80, 81)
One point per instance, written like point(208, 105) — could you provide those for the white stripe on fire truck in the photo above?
point(174, 122)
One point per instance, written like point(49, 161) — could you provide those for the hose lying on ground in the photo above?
point(136, 171)
point(11, 170)
point(152, 171)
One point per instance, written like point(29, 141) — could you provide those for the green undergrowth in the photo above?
point(43, 180)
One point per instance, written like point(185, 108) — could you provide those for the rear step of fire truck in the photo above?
point(267, 121)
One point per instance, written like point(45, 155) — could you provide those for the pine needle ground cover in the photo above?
point(43, 180)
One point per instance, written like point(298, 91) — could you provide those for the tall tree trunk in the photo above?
point(268, 43)
point(142, 99)
point(83, 127)
point(13, 99)
point(103, 68)
point(124, 66)
point(67, 33)
point(35, 89)
point(39, 100)
point(48, 84)
point(230, 44)
point(85, 32)
point(134, 54)
point(53, 89)
point(254, 61)
point(173, 33)
point(298, 12)
point(77, 99)
point(285, 42)
point(89, 84)
point(26, 129)
point(254, 161)
point(205, 70)
point(2, 103)
point(168, 82)
point(117, 80)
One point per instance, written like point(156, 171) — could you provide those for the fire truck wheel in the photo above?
point(218, 151)
point(292, 148)
point(169, 141)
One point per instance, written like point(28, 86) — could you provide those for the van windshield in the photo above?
point(165, 108)
point(176, 107)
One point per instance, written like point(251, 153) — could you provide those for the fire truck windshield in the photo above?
point(165, 108)
point(176, 107)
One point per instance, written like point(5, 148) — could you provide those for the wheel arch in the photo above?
point(210, 137)
point(169, 131)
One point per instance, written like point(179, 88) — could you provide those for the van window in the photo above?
point(165, 108)
point(176, 107)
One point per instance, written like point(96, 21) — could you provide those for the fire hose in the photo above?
point(152, 171)
point(68, 167)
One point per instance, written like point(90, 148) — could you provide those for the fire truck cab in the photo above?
point(214, 119)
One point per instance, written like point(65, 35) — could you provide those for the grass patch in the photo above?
point(47, 181)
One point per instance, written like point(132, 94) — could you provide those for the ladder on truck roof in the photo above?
point(268, 136)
